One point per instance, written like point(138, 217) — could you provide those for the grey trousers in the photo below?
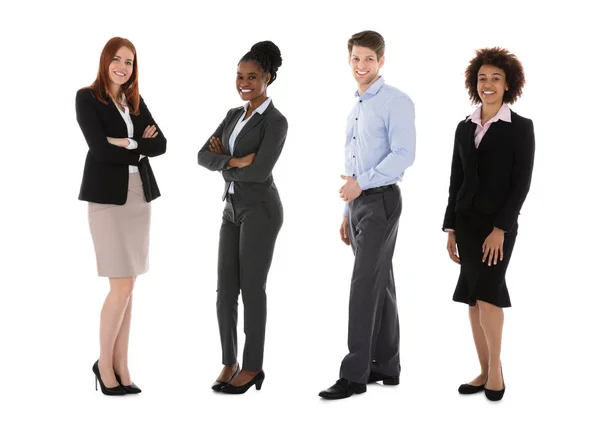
point(373, 326)
point(246, 244)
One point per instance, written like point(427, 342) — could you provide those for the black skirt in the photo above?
point(477, 280)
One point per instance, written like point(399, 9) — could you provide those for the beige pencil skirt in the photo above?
point(121, 233)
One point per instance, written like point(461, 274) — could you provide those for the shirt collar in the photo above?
point(502, 114)
point(261, 109)
point(373, 89)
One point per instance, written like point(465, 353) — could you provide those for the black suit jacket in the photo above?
point(264, 134)
point(106, 171)
point(493, 179)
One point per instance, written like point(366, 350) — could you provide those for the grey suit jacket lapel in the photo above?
point(256, 119)
point(229, 129)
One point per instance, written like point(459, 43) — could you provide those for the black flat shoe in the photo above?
point(387, 379)
point(129, 389)
point(496, 395)
point(108, 391)
point(468, 389)
point(218, 385)
point(343, 389)
point(257, 380)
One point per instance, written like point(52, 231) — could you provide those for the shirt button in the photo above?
point(356, 118)
point(353, 137)
point(353, 156)
point(360, 101)
point(353, 175)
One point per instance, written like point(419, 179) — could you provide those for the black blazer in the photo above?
point(106, 171)
point(493, 179)
point(264, 134)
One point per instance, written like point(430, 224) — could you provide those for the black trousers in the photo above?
point(246, 244)
point(373, 326)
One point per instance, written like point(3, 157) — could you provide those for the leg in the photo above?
point(492, 320)
point(386, 355)
point(228, 290)
point(480, 344)
point(111, 319)
point(121, 350)
point(260, 227)
point(374, 227)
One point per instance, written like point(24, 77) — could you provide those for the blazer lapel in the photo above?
point(229, 129)
point(256, 119)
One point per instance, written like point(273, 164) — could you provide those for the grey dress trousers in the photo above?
point(252, 218)
point(373, 326)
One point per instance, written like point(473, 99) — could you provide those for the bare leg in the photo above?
point(121, 350)
point(492, 320)
point(111, 319)
point(480, 345)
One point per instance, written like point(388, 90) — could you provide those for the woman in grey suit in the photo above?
point(245, 148)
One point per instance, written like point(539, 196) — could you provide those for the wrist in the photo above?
point(233, 162)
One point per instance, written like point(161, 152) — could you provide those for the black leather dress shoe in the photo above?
point(387, 379)
point(468, 389)
point(343, 389)
point(218, 385)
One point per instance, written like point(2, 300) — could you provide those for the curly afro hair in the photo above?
point(502, 59)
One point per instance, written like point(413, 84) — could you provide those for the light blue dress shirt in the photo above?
point(240, 125)
point(380, 137)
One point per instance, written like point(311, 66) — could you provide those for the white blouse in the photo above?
point(127, 118)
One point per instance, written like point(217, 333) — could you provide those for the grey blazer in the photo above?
point(264, 134)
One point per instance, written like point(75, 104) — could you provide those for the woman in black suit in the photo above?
point(118, 184)
point(245, 148)
point(491, 172)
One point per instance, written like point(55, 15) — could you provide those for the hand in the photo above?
point(150, 132)
point(452, 249)
point(493, 247)
point(119, 142)
point(216, 146)
point(242, 162)
point(351, 190)
point(344, 231)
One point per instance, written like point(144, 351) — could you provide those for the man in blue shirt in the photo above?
point(380, 145)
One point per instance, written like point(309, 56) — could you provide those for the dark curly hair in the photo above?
point(502, 59)
point(267, 56)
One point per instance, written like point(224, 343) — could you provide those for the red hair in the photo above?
point(100, 87)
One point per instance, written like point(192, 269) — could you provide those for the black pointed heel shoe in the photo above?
point(112, 391)
point(218, 385)
point(129, 389)
point(496, 395)
point(257, 380)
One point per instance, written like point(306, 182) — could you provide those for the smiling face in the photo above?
point(121, 67)
point(251, 81)
point(364, 65)
point(491, 84)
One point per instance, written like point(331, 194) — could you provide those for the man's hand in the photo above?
point(344, 231)
point(351, 190)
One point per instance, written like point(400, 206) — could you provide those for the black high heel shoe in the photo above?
point(108, 391)
point(257, 380)
point(218, 385)
point(496, 395)
point(129, 389)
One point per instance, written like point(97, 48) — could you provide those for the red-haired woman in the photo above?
point(118, 184)
point(490, 177)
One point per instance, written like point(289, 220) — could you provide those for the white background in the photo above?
point(50, 295)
